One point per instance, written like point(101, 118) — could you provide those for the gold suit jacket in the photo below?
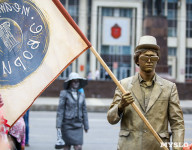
point(163, 109)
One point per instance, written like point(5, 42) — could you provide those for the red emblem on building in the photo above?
point(116, 31)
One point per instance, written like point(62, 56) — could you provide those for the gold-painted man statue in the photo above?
point(157, 99)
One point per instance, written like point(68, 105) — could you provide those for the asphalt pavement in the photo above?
point(93, 104)
point(101, 135)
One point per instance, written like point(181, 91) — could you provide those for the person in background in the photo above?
point(89, 76)
point(26, 119)
point(107, 77)
point(97, 74)
point(1, 101)
point(4, 143)
point(72, 115)
point(17, 134)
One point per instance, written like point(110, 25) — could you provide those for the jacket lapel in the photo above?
point(136, 90)
point(157, 89)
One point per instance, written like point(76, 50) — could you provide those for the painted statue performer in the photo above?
point(157, 99)
point(72, 115)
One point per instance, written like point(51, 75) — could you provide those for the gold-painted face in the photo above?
point(148, 61)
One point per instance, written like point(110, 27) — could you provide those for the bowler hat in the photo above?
point(74, 76)
point(147, 41)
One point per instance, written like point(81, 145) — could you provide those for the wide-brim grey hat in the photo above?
point(74, 76)
point(147, 41)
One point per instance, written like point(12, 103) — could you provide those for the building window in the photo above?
point(172, 64)
point(107, 11)
point(172, 51)
point(188, 68)
point(170, 70)
point(172, 18)
point(105, 50)
point(89, 20)
point(73, 9)
point(189, 1)
point(116, 50)
point(189, 19)
point(63, 2)
point(125, 12)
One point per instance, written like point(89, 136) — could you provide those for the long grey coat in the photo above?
point(163, 108)
point(72, 117)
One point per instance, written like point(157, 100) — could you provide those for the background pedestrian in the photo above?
point(26, 119)
point(17, 134)
point(72, 115)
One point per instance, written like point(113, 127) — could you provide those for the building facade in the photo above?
point(114, 27)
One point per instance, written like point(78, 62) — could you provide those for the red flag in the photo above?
point(38, 40)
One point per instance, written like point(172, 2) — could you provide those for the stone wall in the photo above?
point(185, 91)
point(105, 89)
point(94, 89)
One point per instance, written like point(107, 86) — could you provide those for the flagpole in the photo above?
point(123, 91)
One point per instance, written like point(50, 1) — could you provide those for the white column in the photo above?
point(66, 4)
point(166, 8)
point(93, 36)
point(83, 26)
point(98, 65)
point(181, 40)
point(138, 34)
point(133, 42)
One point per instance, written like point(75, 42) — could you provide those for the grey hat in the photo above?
point(74, 76)
point(147, 41)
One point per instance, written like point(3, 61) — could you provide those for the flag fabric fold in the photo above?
point(38, 41)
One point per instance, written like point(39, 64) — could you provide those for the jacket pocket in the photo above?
point(124, 133)
point(163, 99)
